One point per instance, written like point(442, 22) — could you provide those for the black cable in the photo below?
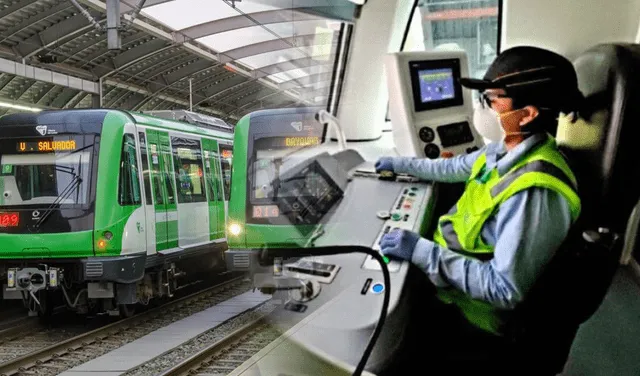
point(336, 250)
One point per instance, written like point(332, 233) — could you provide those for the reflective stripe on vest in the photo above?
point(460, 229)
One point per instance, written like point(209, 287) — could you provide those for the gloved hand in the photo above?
point(384, 163)
point(399, 244)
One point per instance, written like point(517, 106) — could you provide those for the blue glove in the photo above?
point(384, 163)
point(399, 244)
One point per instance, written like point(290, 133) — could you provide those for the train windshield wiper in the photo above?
point(66, 192)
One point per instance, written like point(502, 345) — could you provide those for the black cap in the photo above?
point(533, 76)
point(525, 67)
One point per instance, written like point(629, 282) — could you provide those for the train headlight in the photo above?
point(235, 229)
point(11, 278)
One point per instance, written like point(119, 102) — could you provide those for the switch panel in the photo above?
point(405, 212)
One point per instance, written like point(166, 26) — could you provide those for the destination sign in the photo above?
point(46, 146)
point(301, 141)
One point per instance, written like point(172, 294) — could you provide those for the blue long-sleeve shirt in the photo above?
point(526, 231)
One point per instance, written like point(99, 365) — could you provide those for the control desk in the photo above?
point(334, 315)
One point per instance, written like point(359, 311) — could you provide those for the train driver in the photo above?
point(520, 197)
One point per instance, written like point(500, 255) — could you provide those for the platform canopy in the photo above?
point(237, 56)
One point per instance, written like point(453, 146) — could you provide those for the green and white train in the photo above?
point(105, 208)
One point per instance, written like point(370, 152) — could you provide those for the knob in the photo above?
point(426, 134)
point(432, 151)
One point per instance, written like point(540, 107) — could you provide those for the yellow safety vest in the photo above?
point(460, 229)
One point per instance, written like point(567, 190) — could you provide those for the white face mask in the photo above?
point(487, 122)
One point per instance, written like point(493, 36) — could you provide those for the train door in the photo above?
point(214, 188)
point(147, 178)
point(166, 224)
point(169, 181)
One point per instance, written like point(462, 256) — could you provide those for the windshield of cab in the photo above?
point(40, 172)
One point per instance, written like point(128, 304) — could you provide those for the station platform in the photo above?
point(156, 343)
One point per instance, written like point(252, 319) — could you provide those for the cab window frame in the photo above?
point(127, 195)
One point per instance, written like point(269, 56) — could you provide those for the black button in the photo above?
point(432, 151)
point(426, 134)
point(365, 288)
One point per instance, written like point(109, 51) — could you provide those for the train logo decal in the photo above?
point(35, 214)
point(297, 125)
point(42, 129)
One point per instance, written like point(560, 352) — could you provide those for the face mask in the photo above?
point(491, 125)
point(487, 123)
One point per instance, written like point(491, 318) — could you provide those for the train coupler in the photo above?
point(30, 281)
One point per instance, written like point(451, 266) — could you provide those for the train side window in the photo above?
point(167, 179)
point(217, 175)
point(129, 184)
point(226, 158)
point(210, 175)
point(189, 176)
point(156, 179)
point(145, 168)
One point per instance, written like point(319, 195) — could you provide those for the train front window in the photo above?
point(274, 155)
point(44, 172)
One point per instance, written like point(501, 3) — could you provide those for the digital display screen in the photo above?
point(9, 219)
point(455, 134)
point(301, 141)
point(452, 130)
point(287, 142)
point(310, 195)
point(45, 146)
point(266, 211)
point(436, 84)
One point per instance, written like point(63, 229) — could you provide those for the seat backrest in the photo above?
point(601, 149)
point(600, 152)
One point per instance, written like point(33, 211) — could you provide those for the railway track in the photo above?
point(70, 352)
point(225, 355)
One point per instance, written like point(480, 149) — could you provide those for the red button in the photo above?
point(446, 154)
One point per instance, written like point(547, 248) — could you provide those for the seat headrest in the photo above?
point(602, 146)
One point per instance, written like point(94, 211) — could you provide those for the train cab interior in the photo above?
point(581, 316)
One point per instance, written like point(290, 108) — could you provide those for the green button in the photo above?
point(396, 217)
point(386, 259)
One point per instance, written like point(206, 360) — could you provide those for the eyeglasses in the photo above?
point(486, 99)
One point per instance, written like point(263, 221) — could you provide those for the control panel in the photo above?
point(430, 111)
point(403, 215)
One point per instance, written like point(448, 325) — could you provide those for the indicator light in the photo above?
point(11, 278)
point(108, 235)
point(53, 277)
point(386, 259)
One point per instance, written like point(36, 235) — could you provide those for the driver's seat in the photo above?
point(602, 154)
